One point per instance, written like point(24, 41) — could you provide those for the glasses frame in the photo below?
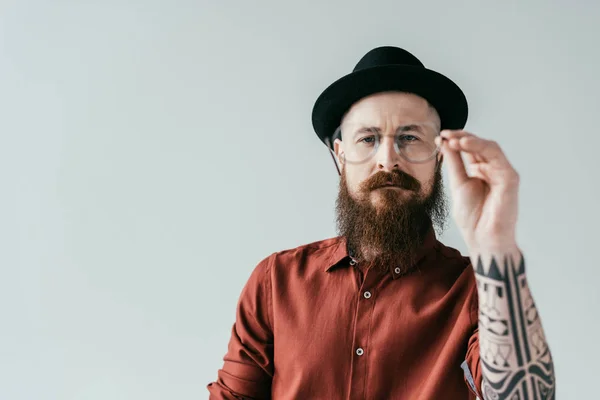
point(329, 144)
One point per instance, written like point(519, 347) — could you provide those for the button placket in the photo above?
point(364, 310)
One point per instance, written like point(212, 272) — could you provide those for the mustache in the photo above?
point(396, 178)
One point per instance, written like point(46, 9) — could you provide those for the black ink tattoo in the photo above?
point(515, 359)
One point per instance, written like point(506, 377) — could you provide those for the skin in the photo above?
point(515, 357)
point(516, 361)
point(387, 111)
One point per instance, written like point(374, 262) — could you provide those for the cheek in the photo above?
point(427, 177)
point(354, 178)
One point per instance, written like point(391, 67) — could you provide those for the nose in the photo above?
point(387, 158)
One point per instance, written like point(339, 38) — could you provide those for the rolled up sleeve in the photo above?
point(247, 370)
point(471, 366)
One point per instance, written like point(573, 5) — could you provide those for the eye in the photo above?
point(407, 139)
point(367, 139)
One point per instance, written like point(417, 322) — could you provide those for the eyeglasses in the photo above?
point(415, 142)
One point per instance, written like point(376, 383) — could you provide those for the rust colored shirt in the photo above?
point(311, 325)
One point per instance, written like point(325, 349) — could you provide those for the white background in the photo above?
point(151, 153)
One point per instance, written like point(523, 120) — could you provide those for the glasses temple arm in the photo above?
point(329, 146)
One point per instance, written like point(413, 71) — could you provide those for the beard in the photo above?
point(391, 232)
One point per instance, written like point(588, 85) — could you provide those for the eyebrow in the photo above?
point(366, 129)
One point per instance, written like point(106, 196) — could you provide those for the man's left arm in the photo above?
point(515, 359)
point(514, 356)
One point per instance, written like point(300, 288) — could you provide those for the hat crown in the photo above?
point(387, 55)
point(385, 69)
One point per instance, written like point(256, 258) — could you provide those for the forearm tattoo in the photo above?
point(515, 359)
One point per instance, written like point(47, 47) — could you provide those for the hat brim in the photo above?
point(441, 92)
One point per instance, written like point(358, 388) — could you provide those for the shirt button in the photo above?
point(352, 262)
point(360, 351)
point(367, 295)
point(397, 270)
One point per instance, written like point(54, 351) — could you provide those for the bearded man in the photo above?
point(384, 310)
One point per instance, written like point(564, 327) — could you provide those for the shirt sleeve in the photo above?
point(471, 367)
point(248, 368)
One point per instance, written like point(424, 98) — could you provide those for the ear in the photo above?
point(338, 150)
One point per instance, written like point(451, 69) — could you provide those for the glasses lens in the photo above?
point(415, 142)
point(359, 145)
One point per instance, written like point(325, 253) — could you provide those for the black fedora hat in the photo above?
point(385, 69)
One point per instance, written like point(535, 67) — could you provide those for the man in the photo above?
point(384, 310)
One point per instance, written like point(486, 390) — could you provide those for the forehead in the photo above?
point(395, 107)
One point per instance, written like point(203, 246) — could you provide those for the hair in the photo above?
point(432, 110)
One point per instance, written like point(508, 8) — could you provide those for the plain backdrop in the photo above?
point(152, 152)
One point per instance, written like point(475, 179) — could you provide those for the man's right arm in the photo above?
point(248, 365)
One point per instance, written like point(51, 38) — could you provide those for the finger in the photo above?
point(492, 175)
point(456, 167)
point(453, 136)
point(481, 149)
point(454, 133)
point(478, 170)
point(469, 157)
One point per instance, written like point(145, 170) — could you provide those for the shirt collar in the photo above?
point(339, 254)
point(340, 257)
